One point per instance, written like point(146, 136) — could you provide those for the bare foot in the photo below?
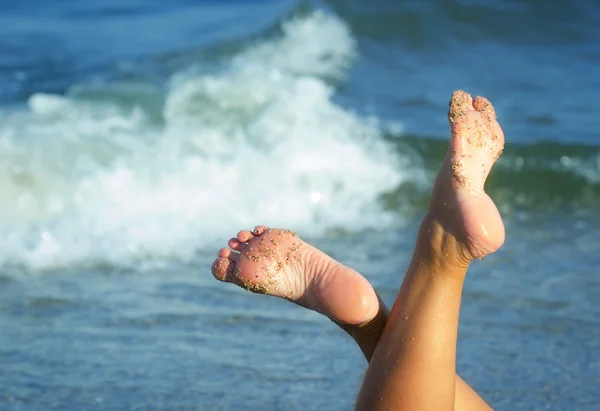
point(276, 262)
point(458, 200)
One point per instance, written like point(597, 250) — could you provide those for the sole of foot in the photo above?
point(278, 263)
point(459, 203)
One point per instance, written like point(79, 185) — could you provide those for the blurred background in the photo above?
point(137, 136)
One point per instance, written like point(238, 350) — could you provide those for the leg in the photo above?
point(414, 364)
point(367, 337)
point(276, 262)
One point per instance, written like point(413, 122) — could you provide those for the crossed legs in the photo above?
point(412, 351)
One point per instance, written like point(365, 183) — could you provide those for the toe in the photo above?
point(234, 243)
point(460, 103)
point(222, 269)
point(484, 106)
point(259, 230)
point(496, 143)
point(244, 236)
point(225, 252)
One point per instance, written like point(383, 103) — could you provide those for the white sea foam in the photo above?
point(588, 169)
point(86, 181)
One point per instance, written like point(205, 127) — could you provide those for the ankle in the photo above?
point(367, 334)
point(439, 246)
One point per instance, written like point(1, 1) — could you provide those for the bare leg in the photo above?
point(367, 337)
point(414, 364)
point(276, 262)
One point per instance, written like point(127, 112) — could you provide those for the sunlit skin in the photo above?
point(462, 224)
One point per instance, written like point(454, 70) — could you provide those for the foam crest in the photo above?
point(94, 181)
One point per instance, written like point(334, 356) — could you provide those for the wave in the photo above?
point(116, 172)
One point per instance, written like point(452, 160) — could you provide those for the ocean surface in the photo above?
point(136, 137)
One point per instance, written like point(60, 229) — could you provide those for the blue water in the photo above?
point(137, 137)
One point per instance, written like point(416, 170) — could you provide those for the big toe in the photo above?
point(460, 103)
point(222, 268)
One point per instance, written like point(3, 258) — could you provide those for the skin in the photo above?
point(414, 364)
point(412, 350)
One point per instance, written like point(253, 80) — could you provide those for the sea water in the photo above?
point(137, 137)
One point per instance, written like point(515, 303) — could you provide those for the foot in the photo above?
point(276, 262)
point(459, 202)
